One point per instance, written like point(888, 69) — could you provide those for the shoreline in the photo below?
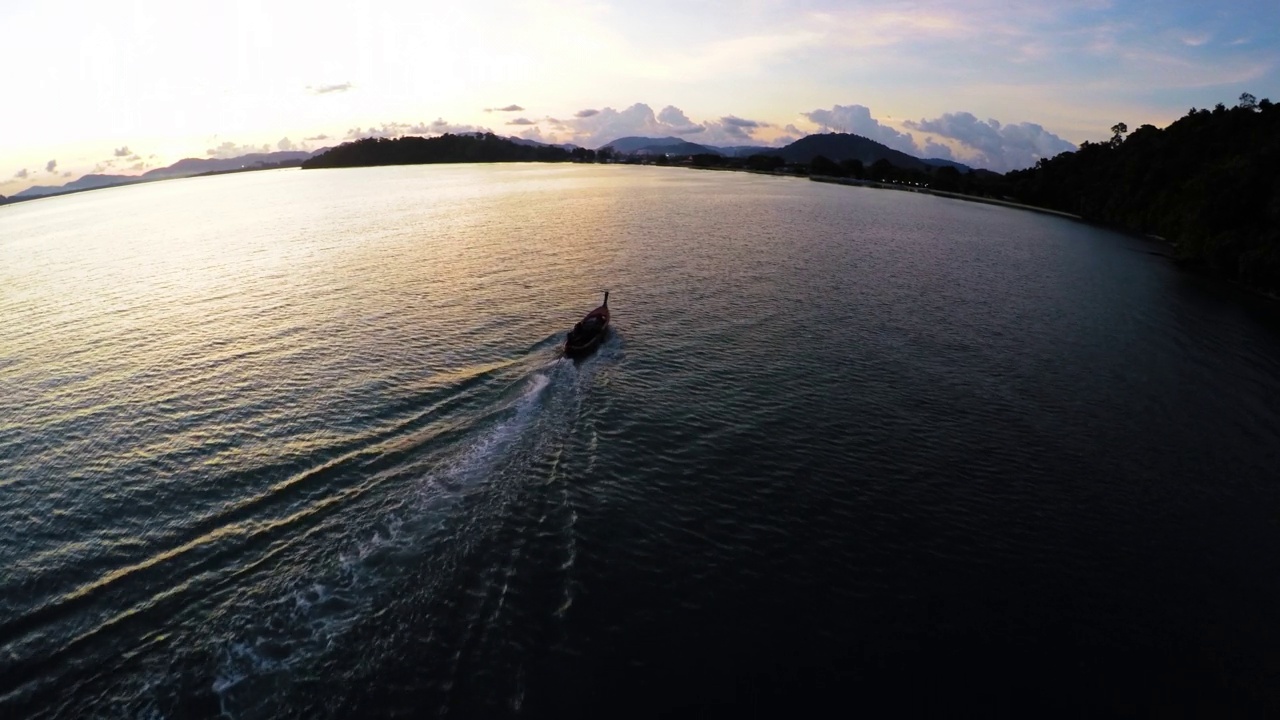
point(1183, 265)
point(941, 193)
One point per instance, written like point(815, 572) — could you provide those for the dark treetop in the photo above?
point(1207, 183)
point(443, 149)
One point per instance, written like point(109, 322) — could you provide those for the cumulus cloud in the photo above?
point(609, 124)
point(326, 89)
point(594, 128)
point(741, 128)
point(532, 133)
point(228, 150)
point(21, 174)
point(672, 115)
point(66, 174)
point(316, 138)
point(986, 144)
point(286, 144)
point(388, 130)
point(51, 166)
point(399, 129)
point(440, 126)
point(509, 108)
point(934, 149)
point(123, 152)
point(996, 146)
point(857, 119)
point(678, 123)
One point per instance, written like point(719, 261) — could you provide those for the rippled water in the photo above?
point(302, 444)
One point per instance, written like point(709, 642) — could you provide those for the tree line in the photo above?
point(1208, 183)
point(448, 148)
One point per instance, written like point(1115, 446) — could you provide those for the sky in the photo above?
point(125, 86)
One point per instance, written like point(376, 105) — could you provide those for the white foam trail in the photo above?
point(321, 610)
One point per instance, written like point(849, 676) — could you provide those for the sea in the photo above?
point(303, 443)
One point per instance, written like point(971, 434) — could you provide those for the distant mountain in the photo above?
point(833, 146)
point(742, 151)
point(659, 146)
point(845, 146)
point(84, 183)
point(183, 168)
point(196, 166)
point(939, 162)
point(532, 143)
point(631, 144)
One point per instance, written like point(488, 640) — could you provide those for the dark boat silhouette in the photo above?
point(589, 332)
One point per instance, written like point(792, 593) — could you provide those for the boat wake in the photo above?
point(437, 534)
point(471, 536)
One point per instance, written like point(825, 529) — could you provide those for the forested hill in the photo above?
point(1209, 183)
point(846, 146)
point(443, 149)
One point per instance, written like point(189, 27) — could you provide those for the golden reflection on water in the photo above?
point(129, 312)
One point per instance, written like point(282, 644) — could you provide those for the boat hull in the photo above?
point(586, 346)
point(587, 335)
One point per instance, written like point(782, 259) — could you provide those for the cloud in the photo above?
point(689, 130)
point(399, 129)
point(609, 124)
point(229, 150)
point(986, 144)
point(439, 127)
point(388, 130)
point(509, 108)
point(123, 152)
point(933, 149)
point(741, 128)
point(532, 133)
point(138, 166)
point(22, 174)
point(793, 133)
point(326, 89)
point(594, 128)
point(996, 146)
point(316, 138)
point(51, 166)
point(857, 119)
point(286, 144)
point(672, 115)
point(66, 174)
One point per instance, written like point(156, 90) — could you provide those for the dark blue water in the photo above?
point(297, 443)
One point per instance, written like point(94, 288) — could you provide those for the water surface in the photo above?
point(301, 443)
